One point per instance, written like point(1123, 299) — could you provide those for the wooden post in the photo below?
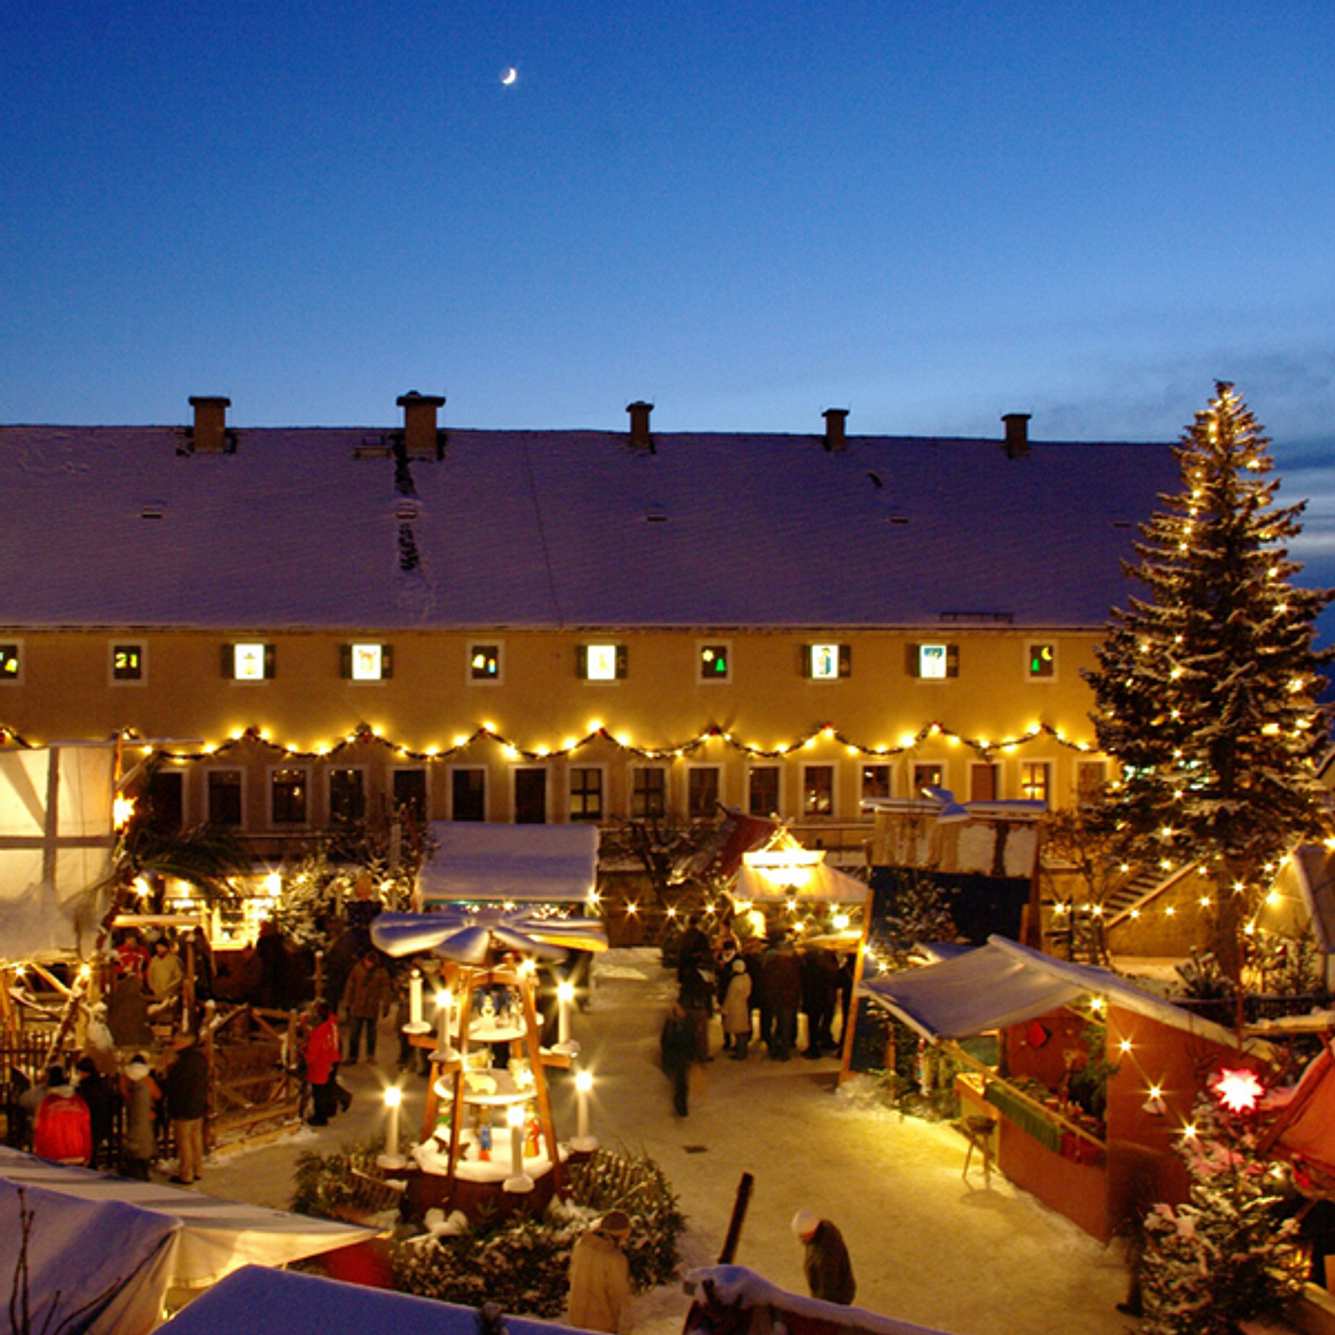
point(188, 988)
point(851, 1019)
point(739, 1204)
point(533, 1039)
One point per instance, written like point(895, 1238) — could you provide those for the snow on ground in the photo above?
point(926, 1246)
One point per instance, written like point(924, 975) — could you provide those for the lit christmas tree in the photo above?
point(1205, 690)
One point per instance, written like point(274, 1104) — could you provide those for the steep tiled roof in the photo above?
point(563, 528)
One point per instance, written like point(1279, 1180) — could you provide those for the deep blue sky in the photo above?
point(929, 212)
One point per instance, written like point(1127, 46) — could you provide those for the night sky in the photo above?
point(929, 213)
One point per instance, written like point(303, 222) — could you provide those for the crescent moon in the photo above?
point(510, 76)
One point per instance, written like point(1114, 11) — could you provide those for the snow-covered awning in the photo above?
point(1004, 983)
point(278, 1302)
point(475, 861)
point(121, 1244)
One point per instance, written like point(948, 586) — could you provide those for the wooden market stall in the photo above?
point(1156, 1058)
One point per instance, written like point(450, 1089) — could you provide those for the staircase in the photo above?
point(1137, 891)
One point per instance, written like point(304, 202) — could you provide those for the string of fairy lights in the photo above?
point(597, 731)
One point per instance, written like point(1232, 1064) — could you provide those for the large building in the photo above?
point(564, 625)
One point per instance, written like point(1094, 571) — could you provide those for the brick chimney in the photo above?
point(209, 434)
point(1016, 443)
point(835, 419)
point(419, 423)
point(639, 424)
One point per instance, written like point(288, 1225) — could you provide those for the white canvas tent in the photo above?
point(822, 884)
point(1005, 983)
point(124, 1244)
point(280, 1302)
point(479, 862)
point(56, 838)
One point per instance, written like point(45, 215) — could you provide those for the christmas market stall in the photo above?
point(116, 1253)
point(1095, 1079)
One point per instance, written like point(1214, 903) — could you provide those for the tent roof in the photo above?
point(277, 1302)
point(826, 885)
point(214, 1236)
point(534, 863)
point(1004, 983)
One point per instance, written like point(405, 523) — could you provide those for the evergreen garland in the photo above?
point(1205, 688)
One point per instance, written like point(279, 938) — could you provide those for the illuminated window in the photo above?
point(601, 662)
point(347, 796)
point(248, 661)
point(818, 790)
point(224, 798)
point(715, 662)
point(11, 662)
point(1042, 662)
point(928, 775)
point(762, 790)
point(876, 781)
point(367, 662)
point(484, 662)
point(1035, 780)
point(702, 792)
point(287, 796)
point(648, 794)
point(827, 662)
point(586, 792)
point(933, 662)
point(127, 662)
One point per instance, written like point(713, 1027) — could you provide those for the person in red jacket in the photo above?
point(64, 1130)
point(322, 1055)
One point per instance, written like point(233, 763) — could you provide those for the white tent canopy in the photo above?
point(822, 884)
point(475, 861)
point(55, 841)
point(1004, 983)
point(92, 1230)
point(279, 1302)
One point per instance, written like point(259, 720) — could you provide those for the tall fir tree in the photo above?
point(1205, 691)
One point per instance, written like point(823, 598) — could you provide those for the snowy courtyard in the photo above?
point(926, 1246)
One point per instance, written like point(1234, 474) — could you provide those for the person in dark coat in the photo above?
point(187, 1089)
point(820, 988)
point(829, 1271)
point(695, 974)
point(273, 965)
point(127, 1013)
point(782, 975)
point(678, 1045)
point(101, 1097)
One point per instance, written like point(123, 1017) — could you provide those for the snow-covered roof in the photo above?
point(494, 861)
point(111, 526)
point(1005, 983)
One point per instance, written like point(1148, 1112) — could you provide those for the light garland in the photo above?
point(487, 731)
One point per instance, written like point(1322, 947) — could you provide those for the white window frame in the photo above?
point(700, 647)
point(1027, 645)
point(353, 680)
point(228, 769)
point(686, 794)
point(588, 679)
point(945, 675)
point(1052, 778)
point(572, 765)
point(269, 822)
point(22, 649)
point(998, 769)
point(232, 647)
point(486, 787)
point(915, 788)
point(778, 767)
point(874, 762)
point(112, 678)
point(833, 767)
point(546, 791)
point(499, 678)
point(328, 789)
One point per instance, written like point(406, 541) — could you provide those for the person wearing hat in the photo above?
point(187, 1098)
point(64, 1130)
point(139, 1144)
point(737, 1009)
point(829, 1271)
point(600, 1276)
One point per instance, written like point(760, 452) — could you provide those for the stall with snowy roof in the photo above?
point(1059, 1022)
point(488, 949)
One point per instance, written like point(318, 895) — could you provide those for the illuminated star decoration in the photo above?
point(474, 936)
point(1238, 1091)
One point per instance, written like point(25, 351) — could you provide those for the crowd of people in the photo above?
point(761, 987)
